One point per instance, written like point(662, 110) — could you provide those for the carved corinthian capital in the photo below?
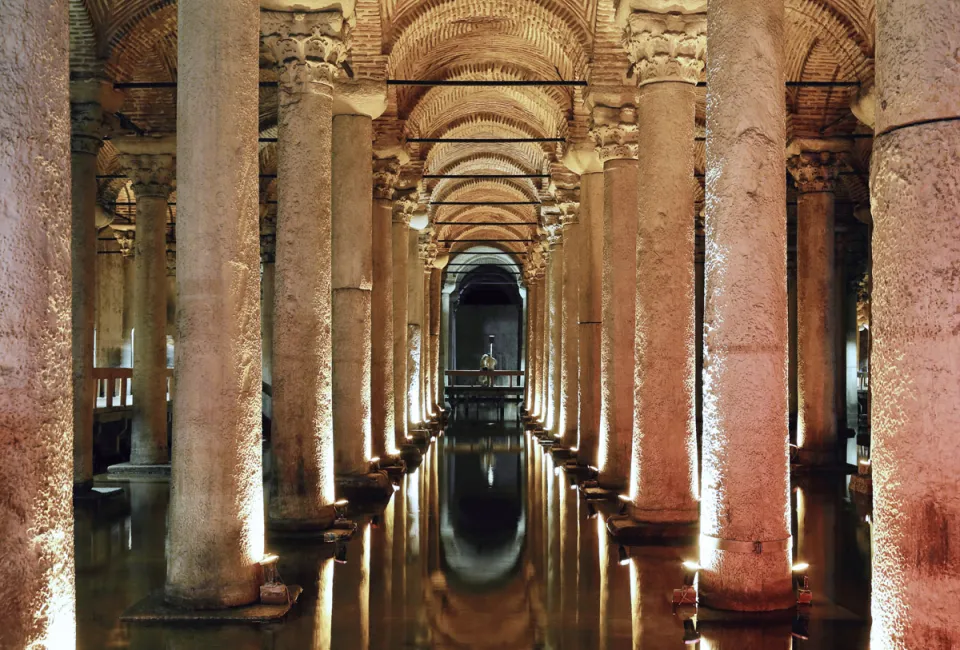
point(385, 172)
point(614, 131)
point(815, 171)
point(307, 47)
point(150, 164)
point(666, 47)
point(427, 248)
point(405, 204)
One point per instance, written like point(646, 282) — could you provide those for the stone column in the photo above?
point(586, 162)
point(446, 330)
point(36, 429)
point(569, 345)
point(406, 202)
point(126, 236)
point(815, 169)
point(217, 441)
point(436, 370)
point(614, 129)
point(352, 278)
point(915, 191)
point(110, 289)
point(426, 350)
point(666, 51)
point(170, 332)
point(542, 360)
point(268, 279)
point(530, 377)
point(85, 142)
point(555, 335)
point(307, 49)
point(150, 164)
point(427, 252)
point(745, 510)
point(383, 423)
point(414, 316)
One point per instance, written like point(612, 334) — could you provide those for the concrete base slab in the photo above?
point(412, 457)
point(561, 453)
point(629, 532)
point(597, 493)
point(123, 470)
point(364, 488)
point(154, 609)
point(581, 472)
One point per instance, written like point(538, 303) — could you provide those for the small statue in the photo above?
point(488, 363)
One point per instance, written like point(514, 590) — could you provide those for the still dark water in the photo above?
point(485, 546)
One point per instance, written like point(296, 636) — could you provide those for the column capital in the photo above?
point(385, 173)
point(126, 236)
point(308, 49)
point(150, 163)
point(405, 204)
point(427, 248)
point(568, 202)
point(87, 125)
point(614, 131)
point(815, 171)
point(665, 46)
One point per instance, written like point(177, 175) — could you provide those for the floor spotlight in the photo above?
point(801, 628)
point(591, 511)
point(690, 634)
point(624, 557)
point(340, 556)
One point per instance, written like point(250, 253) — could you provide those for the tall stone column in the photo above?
point(426, 351)
point(542, 325)
point(530, 377)
point(614, 130)
point(585, 161)
point(436, 370)
point(915, 191)
point(555, 333)
point(427, 252)
point(217, 440)
point(353, 274)
point(109, 318)
point(268, 284)
point(85, 142)
point(382, 414)
point(570, 336)
point(745, 510)
point(126, 236)
point(666, 51)
point(36, 517)
point(150, 163)
point(414, 317)
point(307, 49)
point(405, 203)
point(815, 169)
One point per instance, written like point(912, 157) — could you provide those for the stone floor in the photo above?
point(485, 546)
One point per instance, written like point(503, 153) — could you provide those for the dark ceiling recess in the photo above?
point(489, 285)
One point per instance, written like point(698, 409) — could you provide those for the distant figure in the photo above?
point(487, 362)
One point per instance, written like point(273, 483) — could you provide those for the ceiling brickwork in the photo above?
point(504, 40)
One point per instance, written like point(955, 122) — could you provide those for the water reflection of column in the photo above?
point(817, 534)
point(398, 567)
point(654, 573)
point(235, 638)
point(588, 568)
point(381, 579)
point(569, 546)
point(554, 561)
point(614, 591)
point(351, 596)
point(603, 629)
point(323, 618)
point(756, 636)
point(434, 516)
point(411, 578)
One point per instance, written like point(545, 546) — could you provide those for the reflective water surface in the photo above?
point(486, 545)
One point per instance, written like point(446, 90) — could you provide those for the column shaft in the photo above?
point(530, 377)
point(621, 180)
point(401, 258)
point(217, 448)
point(83, 254)
point(268, 279)
point(436, 297)
point(556, 336)
point(816, 329)
point(745, 462)
point(664, 476)
point(36, 516)
point(414, 315)
point(571, 335)
point(109, 321)
point(542, 325)
point(352, 283)
point(148, 445)
point(426, 349)
point(915, 191)
point(383, 424)
point(590, 314)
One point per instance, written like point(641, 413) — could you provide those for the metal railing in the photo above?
point(113, 390)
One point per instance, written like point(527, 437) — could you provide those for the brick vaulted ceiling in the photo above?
point(136, 40)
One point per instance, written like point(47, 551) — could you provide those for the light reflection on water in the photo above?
point(484, 546)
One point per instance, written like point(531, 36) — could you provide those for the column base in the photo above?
point(374, 487)
point(155, 609)
point(581, 472)
point(122, 470)
point(746, 581)
point(626, 530)
point(412, 457)
point(561, 453)
point(393, 466)
point(593, 491)
point(303, 527)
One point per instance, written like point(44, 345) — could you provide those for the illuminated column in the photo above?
point(217, 403)
point(414, 316)
point(36, 516)
point(915, 191)
point(85, 142)
point(554, 334)
point(404, 205)
point(150, 163)
point(569, 390)
point(745, 522)
point(436, 293)
point(427, 253)
point(666, 51)
point(815, 169)
point(586, 162)
point(307, 50)
point(358, 104)
point(530, 379)
point(268, 283)
point(543, 341)
point(382, 422)
point(614, 130)
point(109, 318)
